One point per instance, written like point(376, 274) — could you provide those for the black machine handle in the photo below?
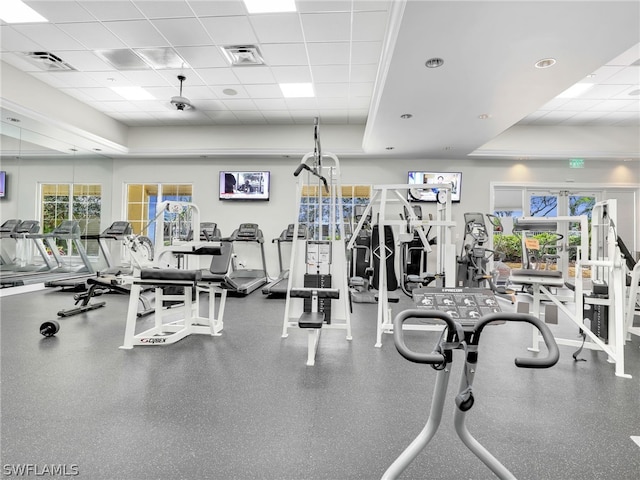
point(398, 334)
point(553, 353)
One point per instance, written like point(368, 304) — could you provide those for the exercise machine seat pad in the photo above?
point(537, 273)
point(170, 274)
point(311, 320)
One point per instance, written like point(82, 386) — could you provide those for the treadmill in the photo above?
point(243, 281)
point(278, 287)
point(7, 229)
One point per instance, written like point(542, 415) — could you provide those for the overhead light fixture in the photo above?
point(406, 116)
point(15, 11)
point(484, 116)
point(575, 90)
point(297, 90)
point(133, 93)
point(434, 62)
point(162, 57)
point(545, 63)
point(181, 103)
point(270, 6)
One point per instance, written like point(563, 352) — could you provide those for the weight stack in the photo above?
point(319, 280)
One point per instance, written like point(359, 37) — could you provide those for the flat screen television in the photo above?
point(3, 184)
point(244, 185)
point(429, 194)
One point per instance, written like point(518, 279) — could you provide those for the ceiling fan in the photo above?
point(180, 102)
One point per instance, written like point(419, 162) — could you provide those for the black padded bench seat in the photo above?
point(536, 273)
point(170, 274)
point(311, 320)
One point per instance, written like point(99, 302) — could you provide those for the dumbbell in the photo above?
point(49, 328)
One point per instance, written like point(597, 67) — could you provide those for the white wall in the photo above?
point(273, 216)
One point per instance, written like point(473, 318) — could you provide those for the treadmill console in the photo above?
point(28, 226)
point(248, 231)
point(118, 229)
point(67, 227)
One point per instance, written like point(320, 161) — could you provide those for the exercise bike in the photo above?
point(457, 336)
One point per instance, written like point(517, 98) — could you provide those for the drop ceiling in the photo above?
point(366, 62)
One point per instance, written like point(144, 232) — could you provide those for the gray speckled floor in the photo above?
point(245, 406)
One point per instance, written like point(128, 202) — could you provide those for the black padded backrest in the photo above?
point(520, 225)
point(28, 226)
point(220, 263)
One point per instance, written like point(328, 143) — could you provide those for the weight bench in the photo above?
point(165, 333)
point(313, 320)
point(539, 281)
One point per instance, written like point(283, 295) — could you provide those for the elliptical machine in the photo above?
point(474, 258)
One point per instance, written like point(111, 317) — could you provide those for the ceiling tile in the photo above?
point(360, 89)
point(13, 41)
point(223, 92)
point(369, 26)
point(171, 76)
point(364, 73)
point(76, 79)
point(230, 30)
point(284, 54)
point(365, 52)
point(628, 76)
point(314, 6)
point(264, 91)
point(110, 78)
point(302, 103)
point(137, 33)
point(63, 11)
point(332, 90)
point(239, 104)
point(210, 104)
point(147, 78)
point(83, 60)
point(49, 35)
point(254, 75)
point(113, 10)
point(217, 76)
point(330, 73)
point(291, 74)
point(328, 53)
point(164, 8)
point(202, 57)
point(250, 117)
point(327, 27)
point(218, 8)
point(100, 94)
point(603, 91)
point(271, 103)
point(277, 28)
point(182, 31)
point(92, 35)
point(612, 105)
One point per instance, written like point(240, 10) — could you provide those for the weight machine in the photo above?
point(317, 289)
point(384, 196)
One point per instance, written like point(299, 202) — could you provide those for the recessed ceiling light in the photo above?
point(434, 62)
point(297, 90)
point(545, 63)
point(575, 90)
point(133, 93)
point(270, 6)
point(406, 115)
point(230, 91)
point(15, 11)
point(484, 116)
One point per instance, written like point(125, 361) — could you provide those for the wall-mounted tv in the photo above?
point(429, 194)
point(3, 184)
point(244, 185)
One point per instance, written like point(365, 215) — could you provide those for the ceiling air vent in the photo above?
point(241, 55)
point(48, 61)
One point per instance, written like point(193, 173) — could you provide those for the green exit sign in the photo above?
point(576, 163)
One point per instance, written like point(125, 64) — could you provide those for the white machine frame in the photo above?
point(340, 312)
point(607, 261)
point(382, 196)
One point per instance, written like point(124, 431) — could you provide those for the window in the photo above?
point(352, 195)
point(142, 200)
point(67, 201)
